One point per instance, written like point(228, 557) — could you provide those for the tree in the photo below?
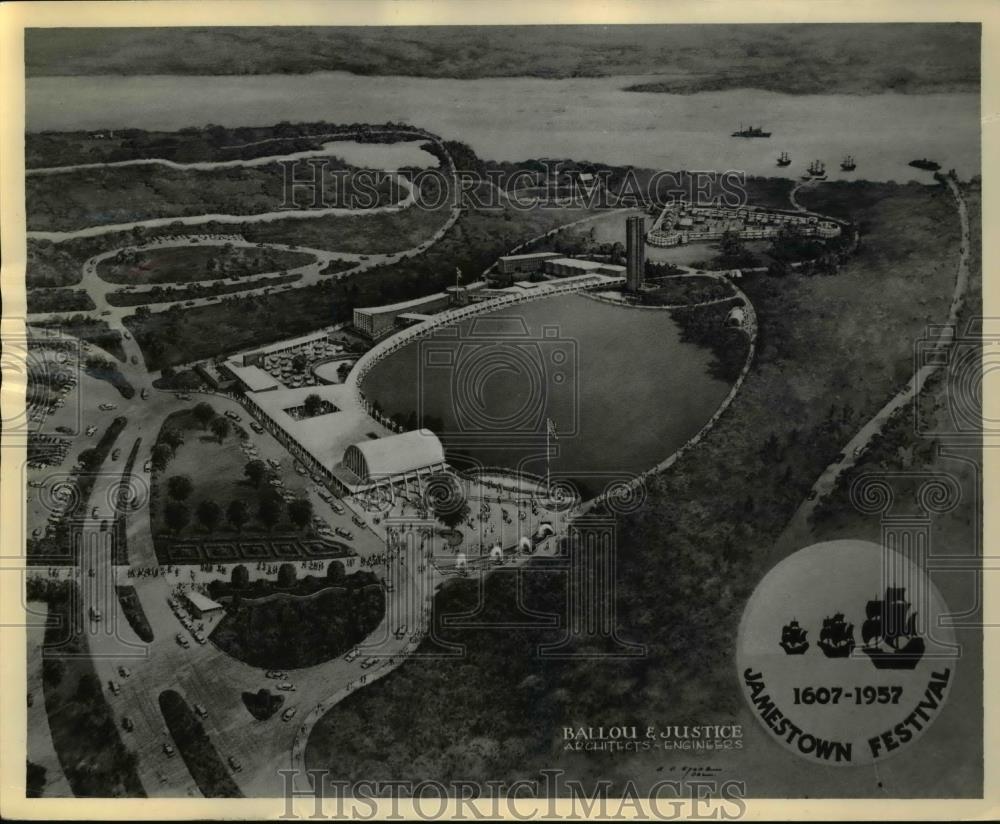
point(256, 471)
point(176, 515)
point(240, 577)
point(204, 413)
point(220, 428)
point(161, 456)
point(447, 500)
point(237, 514)
point(269, 511)
point(179, 487)
point(299, 362)
point(209, 514)
point(300, 511)
point(287, 575)
point(88, 458)
point(172, 437)
point(335, 572)
point(313, 404)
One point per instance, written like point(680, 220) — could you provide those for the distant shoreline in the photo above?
point(677, 59)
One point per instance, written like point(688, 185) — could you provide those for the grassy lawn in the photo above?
point(196, 748)
point(96, 332)
point(58, 300)
point(134, 613)
point(86, 738)
point(472, 244)
point(92, 197)
point(832, 348)
point(285, 631)
point(160, 294)
point(188, 263)
point(216, 473)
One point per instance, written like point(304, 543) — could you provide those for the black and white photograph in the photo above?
point(513, 413)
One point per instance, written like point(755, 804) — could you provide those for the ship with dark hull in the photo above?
point(784, 159)
point(889, 632)
point(848, 164)
point(925, 164)
point(750, 131)
point(793, 639)
point(836, 639)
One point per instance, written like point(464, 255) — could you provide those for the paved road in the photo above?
point(203, 674)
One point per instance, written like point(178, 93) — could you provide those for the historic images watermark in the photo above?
point(550, 796)
point(310, 183)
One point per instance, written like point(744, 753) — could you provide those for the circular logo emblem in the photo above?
point(840, 654)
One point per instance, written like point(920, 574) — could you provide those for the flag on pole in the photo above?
point(551, 428)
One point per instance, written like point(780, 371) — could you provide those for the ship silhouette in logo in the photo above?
point(836, 639)
point(793, 639)
point(889, 632)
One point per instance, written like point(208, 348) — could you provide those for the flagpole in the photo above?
point(548, 451)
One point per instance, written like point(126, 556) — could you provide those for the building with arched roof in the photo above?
point(394, 455)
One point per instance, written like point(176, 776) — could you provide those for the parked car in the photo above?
point(343, 533)
point(107, 407)
point(65, 430)
point(115, 687)
point(144, 394)
point(273, 463)
point(354, 653)
point(256, 427)
point(95, 614)
point(358, 522)
point(368, 662)
point(91, 430)
point(93, 512)
point(336, 507)
point(200, 711)
point(286, 686)
point(168, 748)
point(146, 467)
point(277, 674)
point(288, 714)
point(234, 763)
point(124, 672)
point(116, 454)
point(232, 415)
point(182, 640)
point(127, 724)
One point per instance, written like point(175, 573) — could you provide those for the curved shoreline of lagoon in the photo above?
point(623, 394)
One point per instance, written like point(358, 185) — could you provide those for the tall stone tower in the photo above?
point(635, 252)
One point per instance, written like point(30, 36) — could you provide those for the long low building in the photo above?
point(376, 322)
point(382, 459)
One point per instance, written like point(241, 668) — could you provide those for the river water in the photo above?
point(622, 389)
point(521, 118)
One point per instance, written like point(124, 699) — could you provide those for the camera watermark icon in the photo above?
point(501, 383)
point(46, 366)
point(963, 360)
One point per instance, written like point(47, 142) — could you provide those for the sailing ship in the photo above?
point(784, 159)
point(750, 131)
point(890, 633)
point(817, 169)
point(925, 164)
point(836, 639)
point(793, 639)
point(848, 164)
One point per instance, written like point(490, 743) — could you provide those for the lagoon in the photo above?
point(621, 387)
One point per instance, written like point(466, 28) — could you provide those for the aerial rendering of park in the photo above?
point(333, 386)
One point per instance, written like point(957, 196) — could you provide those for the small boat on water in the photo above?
point(784, 159)
point(750, 131)
point(817, 171)
point(925, 164)
point(848, 164)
